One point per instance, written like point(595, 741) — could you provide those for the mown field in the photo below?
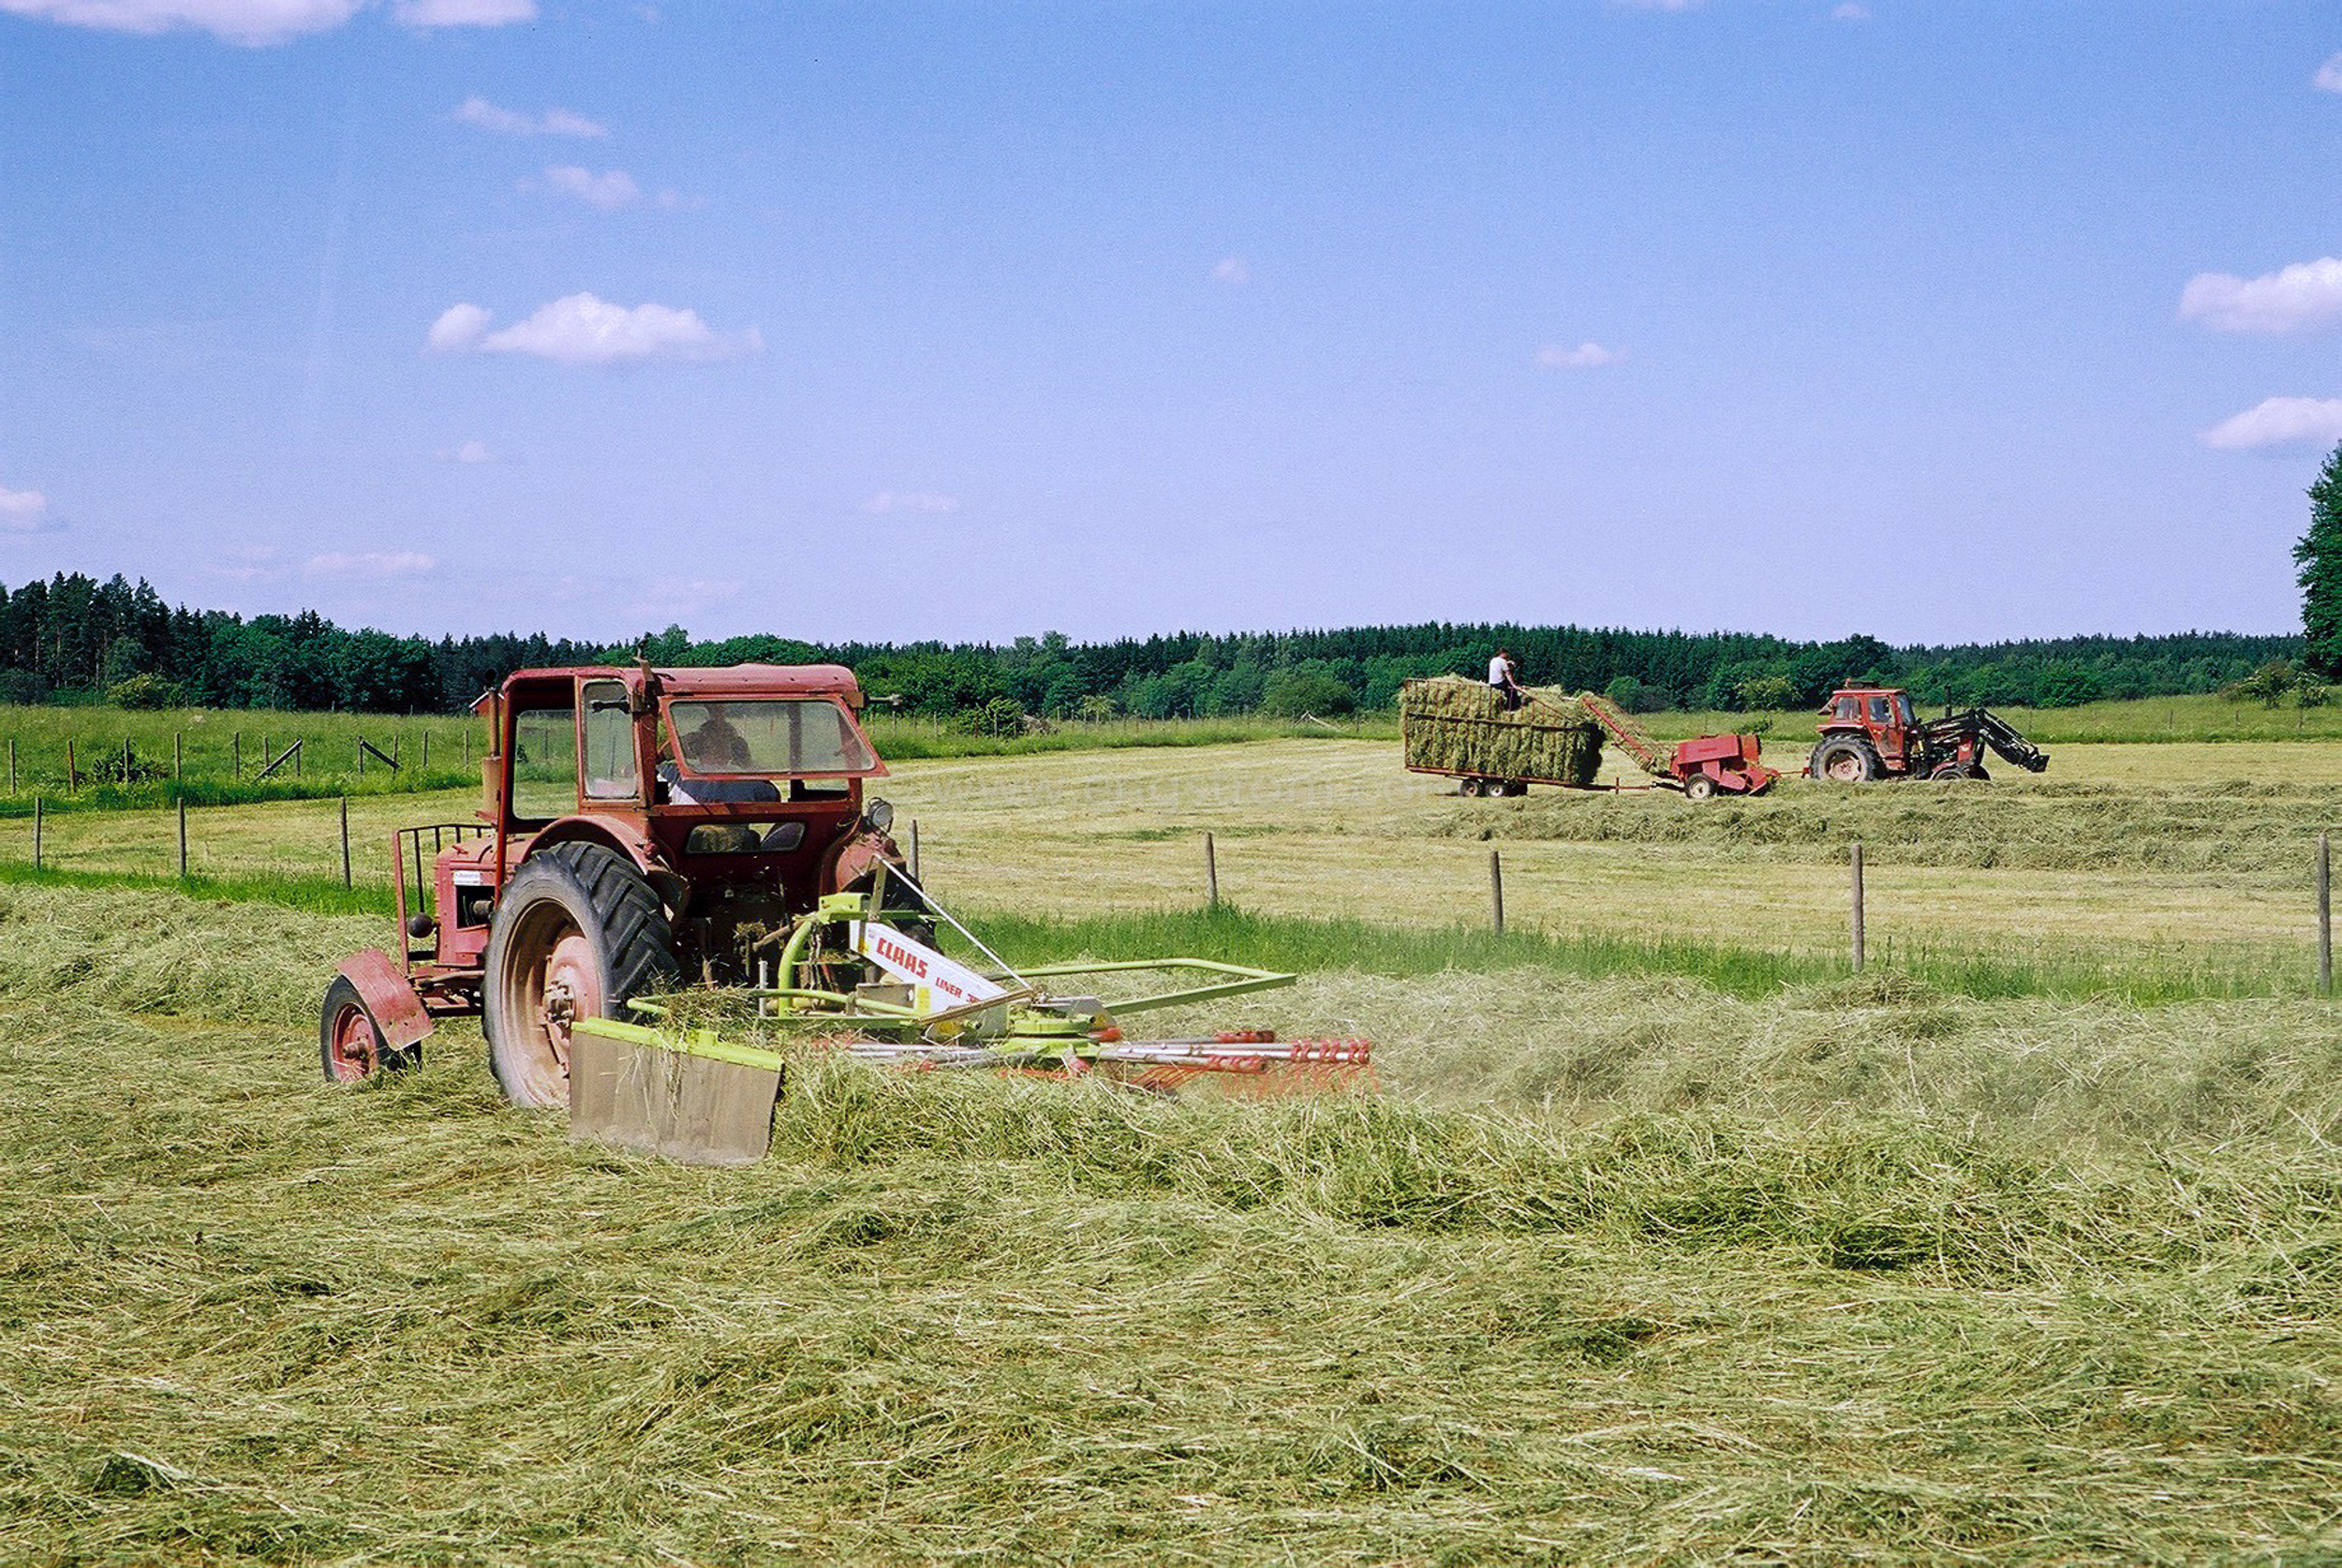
point(1610, 1271)
point(1662, 1241)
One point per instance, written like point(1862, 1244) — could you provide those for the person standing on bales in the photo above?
point(1505, 682)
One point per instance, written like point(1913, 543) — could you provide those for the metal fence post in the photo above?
point(1857, 906)
point(1496, 888)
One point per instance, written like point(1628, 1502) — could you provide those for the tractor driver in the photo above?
point(716, 746)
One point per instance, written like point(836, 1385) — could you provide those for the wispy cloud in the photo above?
point(1231, 269)
point(262, 21)
point(1851, 11)
point(2306, 297)
point(463, 13)
point(679, 598)
point(254, 563)
point(1586, 356)
point(244, 22)
point(25, 512)
point(608, 192)
point(372, 565)
point(919, 501)
point(2329, 78)
point(469, 453)
point(584, 330)
point(2280, 422)
point(477, 111)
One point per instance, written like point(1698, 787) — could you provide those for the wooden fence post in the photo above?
point(362, 756)
point(426, 752)
point(72, 773)
point(127, 776)
point(178, 755)
point(345, 842)
point(2325, 919)
point(183, 838)
point(237, 765)
point(915, 852)
point(1496, 889)
point(1857, 906)
point(1211, 872)
point(35, 833)
point(11, 765)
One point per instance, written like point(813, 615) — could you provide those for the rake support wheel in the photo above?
point(350, 1048)
point(577, 932)
point(1845, 759)
point(1699, 786)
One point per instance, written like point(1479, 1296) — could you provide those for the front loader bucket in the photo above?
point(697, 1099)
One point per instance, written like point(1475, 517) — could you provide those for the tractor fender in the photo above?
point(626, 839)
point(397, 1008)
point(856, 855)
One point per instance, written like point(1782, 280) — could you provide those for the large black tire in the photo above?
point(350, 1048)
point(1845, 759)
point(577, 931)
point(1699, 786)
point(1962, 771)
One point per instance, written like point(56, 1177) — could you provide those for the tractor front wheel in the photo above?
point(350, 1047)
point(1845, 759)
point(577, 932)
point(1958, 771)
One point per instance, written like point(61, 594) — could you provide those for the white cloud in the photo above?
point(584, 330)
point(2306, 297)
point(1851, 11)
point(459, 328)
point(608, 192)
point(1231, 269)
point(2280, 422)
point(463, 13)
point(376, 564)
point(887, 501)
point(244, 22)
point(470, 451)
point(2329, 77)
point(25, 512)
point(477, 111)
point(261, 22)
point(1586, 356)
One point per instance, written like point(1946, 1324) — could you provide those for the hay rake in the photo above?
point(685, 1091)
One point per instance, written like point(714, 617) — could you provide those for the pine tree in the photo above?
point(2320, 556)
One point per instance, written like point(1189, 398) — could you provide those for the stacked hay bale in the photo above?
point(1452, 725)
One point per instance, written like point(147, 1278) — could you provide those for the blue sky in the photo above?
point(1938, 321)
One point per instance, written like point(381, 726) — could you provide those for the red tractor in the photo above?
point(641, 827)
point(1869, 732)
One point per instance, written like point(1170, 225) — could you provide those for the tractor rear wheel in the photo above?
point(1957, 771)
point(576, 933)
point(350, 1047)
point(1845, 759)
point(1699, 786)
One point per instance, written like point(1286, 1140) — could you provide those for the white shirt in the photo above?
point(1500, 669)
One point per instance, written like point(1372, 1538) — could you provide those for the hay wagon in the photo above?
point(1460, 729)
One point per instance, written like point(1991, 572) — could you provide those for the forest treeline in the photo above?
point(74, 638)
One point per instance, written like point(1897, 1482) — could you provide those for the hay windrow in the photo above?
point(1460, 726)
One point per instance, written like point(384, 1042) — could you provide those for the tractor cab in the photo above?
point(1867, 732)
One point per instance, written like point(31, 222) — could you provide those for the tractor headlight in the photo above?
point(880, 814)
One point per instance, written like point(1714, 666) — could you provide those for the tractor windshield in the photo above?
point(795, 738)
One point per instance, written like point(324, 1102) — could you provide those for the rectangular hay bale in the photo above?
point(1449, 724)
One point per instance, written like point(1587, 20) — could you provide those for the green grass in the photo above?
point(1845, 1276)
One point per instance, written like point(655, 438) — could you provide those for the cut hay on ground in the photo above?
point(1454, 725)
point(1827, 1279)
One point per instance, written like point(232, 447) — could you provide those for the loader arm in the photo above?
point(1990, 730)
